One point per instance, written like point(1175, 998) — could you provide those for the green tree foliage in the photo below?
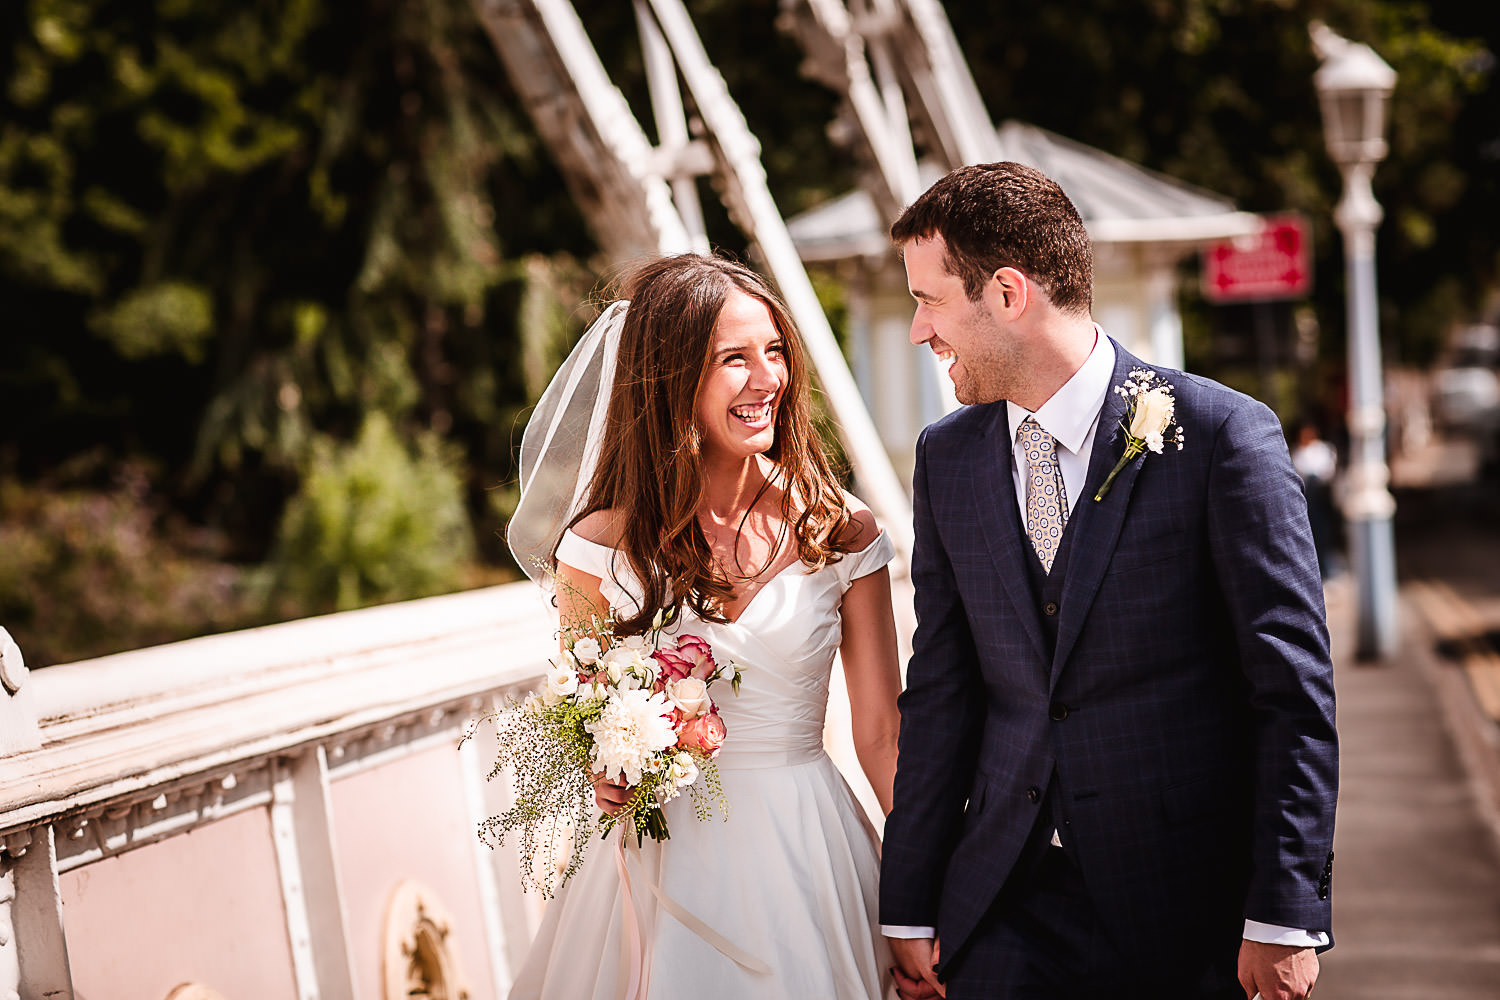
point(231, 235)
point(1219, 93)
point(85, 572)
point(321, 190)
point(265, 250)
point(373, 523)
point(167, 318)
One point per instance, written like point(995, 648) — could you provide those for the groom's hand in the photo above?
point(916, 975)
point(1277, 971)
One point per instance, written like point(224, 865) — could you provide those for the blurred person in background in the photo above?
point(1316, 462)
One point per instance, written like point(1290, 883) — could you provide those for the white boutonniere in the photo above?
point(1149, 413)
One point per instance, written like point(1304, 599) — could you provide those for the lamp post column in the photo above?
point(1368, 504)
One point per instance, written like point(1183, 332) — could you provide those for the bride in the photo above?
point(700, 486)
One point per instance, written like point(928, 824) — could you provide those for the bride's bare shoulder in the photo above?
point(601, 527)
point(862, 528)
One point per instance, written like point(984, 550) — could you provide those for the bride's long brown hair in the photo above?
point(650, 470)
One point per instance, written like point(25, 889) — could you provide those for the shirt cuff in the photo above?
point(902, 931)
point(1276, 934)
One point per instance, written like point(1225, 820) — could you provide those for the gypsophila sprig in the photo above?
point(633, 709)
point(1149, 420)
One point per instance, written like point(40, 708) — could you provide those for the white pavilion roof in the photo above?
point(1119, 201)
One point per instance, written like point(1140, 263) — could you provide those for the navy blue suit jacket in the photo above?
point(1196, 766)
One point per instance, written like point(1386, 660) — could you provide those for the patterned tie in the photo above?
point(1046, 497)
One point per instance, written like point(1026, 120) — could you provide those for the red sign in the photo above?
point(1272, 264)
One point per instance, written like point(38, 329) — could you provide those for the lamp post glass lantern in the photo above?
point(1354, 87)
point(1354, 119)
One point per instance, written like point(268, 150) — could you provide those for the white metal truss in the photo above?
point(897, 64)
point(626, 187)
point(610, 167)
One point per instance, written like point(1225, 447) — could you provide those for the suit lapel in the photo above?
point(995, 497)
point(1096, 524)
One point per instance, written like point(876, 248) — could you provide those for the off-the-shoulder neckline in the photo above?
point(745, 608)
point(610, 548)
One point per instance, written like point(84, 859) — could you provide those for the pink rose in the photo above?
point(699, 654)
point(705, 733)
point(674, 666)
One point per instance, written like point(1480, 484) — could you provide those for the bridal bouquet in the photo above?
point(636, 709)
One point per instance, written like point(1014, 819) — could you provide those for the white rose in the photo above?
point(1153, 412)
point(532, 704)
point(587, 650)
point(690, 695)
point(683, 771)
point(613, 672)
point(561, 682)
point(635, 642)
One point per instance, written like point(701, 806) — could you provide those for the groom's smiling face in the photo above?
point(962, 332)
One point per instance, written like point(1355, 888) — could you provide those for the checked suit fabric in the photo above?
point(1046, 496)
point(1187, 812)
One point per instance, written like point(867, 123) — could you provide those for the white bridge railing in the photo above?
point(282, 812)
point(276, 812)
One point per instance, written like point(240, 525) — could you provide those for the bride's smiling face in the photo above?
point(743, 383)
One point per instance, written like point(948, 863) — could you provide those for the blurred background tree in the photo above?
point(231, 236)
point(1219, 93)
point(253, 255)
point(372, 522)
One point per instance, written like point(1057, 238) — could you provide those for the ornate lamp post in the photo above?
point(1354, 86)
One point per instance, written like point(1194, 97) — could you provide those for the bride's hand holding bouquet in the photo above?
point(683, 674)
point(628, 722)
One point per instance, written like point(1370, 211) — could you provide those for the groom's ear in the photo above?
point(1008, 293)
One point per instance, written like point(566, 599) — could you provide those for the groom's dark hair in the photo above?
point(994, 215)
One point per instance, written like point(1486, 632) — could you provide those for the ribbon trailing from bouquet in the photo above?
point(636, 941)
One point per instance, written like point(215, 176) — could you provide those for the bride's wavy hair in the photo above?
point(650, 469)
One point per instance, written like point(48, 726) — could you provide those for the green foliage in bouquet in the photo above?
point(546, 753)
point(551, 743)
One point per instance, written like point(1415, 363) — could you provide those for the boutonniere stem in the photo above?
point(1149, 413)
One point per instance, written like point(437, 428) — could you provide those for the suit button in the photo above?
point(1050, 607)
point(1034, 794)
point(1058, 712)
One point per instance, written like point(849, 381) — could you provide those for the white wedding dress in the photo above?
point(789, 878)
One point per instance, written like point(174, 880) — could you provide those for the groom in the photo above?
point(1118, 762)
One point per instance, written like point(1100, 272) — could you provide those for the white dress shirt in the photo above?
point(1071, 416)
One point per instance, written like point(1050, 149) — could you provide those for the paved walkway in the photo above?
point(1417, 869)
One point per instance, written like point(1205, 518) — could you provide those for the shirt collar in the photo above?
point(1070, 413)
